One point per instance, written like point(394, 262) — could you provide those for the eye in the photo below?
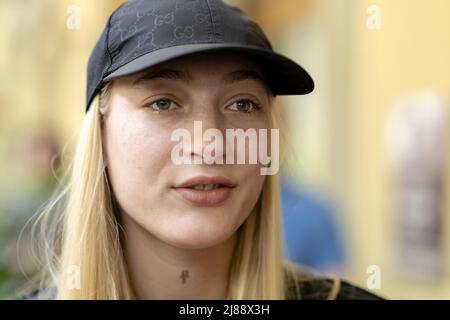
point(245, 105)
point(161, 105)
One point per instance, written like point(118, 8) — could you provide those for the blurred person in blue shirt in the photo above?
point(311, 235)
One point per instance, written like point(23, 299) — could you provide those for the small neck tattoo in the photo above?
point(184, 275)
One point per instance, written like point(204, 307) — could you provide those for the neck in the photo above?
point(159, 270)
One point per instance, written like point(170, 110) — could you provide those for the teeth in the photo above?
point(206, 187)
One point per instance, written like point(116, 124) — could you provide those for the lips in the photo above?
point(205, 191)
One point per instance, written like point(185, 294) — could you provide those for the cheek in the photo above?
point(250, 187)
point(137, 153)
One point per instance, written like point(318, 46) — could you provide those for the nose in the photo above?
point(207, 136)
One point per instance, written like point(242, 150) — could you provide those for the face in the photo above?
point(223, 91)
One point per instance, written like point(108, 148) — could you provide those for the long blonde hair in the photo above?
point(83, 248)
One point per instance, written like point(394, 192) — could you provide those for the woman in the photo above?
point(151, 210)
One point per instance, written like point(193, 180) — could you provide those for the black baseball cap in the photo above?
point(144, 33)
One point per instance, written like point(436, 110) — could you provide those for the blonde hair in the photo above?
point(85, 235)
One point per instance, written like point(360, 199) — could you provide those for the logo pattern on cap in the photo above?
point(143, 28)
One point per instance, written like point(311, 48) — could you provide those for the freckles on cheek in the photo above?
point(142, 145)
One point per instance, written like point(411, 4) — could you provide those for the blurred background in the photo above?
point(366, 180)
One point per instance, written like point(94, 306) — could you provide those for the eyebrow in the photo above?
point(169, 74)
point(177, 75)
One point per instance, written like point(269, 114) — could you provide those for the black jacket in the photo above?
point(301, 285)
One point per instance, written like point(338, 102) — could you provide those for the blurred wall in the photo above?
point(409, 53)
point(338, 131)
point(43, 66)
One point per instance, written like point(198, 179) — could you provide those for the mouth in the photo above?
point(205, 191)
point(207, 187)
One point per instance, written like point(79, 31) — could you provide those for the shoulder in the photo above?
point(349, 291)
point(303, 285)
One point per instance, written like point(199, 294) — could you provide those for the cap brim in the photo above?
point(284, 76)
